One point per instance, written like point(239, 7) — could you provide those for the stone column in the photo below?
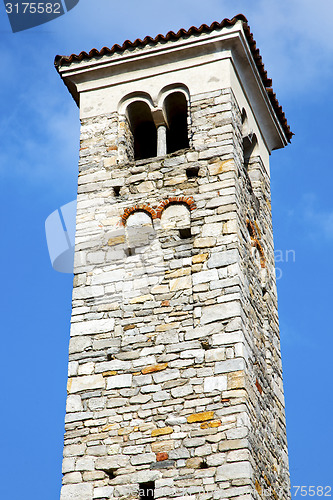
point(161, 140)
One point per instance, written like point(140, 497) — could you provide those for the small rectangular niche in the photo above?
point(185, 233)
point(147, 490)
point(192, 172)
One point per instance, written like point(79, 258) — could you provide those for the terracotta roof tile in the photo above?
point(182, 33)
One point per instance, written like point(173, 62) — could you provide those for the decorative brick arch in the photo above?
point(137, 208)
point(184, 200)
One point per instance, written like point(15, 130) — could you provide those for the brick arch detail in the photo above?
point(172, 200)
point(138, 208)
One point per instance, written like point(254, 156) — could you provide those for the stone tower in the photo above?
point(175, 379)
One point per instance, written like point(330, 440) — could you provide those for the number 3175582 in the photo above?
point(33, 8)
point(312, 491)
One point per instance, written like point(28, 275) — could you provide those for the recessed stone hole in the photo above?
point(147, 490)
point(205, 343)
point(109, 357)
point(192, 172)
point(111, 473)
point(116, 190)
point(264, 291)
point(203, 465)
point(129, 252)
point(185, 233)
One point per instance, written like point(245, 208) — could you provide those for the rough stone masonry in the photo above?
point(175, 377)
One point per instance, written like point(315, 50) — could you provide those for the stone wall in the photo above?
point(174, 358)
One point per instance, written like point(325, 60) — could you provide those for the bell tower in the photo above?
point(175, 380)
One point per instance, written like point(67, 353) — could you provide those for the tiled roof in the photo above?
point(182, 33)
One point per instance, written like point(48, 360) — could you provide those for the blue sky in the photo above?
point(39, 127)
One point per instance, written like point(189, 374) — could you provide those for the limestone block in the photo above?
point(236, 380)
point(92, 326)
point(204, 242)
point(114, 365)
point(85, 383)
point(96, 403)
point(103, 492)
point(146, 475)
point(180, 283)
point(215, 355)
point(202, 331)
point(82, 491)
point(214, 460)
point(73, 368)
point(205, 276)
point(116, 240)
point(167, 326)
point(116, 402)
point(193, 463)
point(68, 465)
point(230, 227)
point(114, 276)
point(221, 166)
point(199, 258)
point(237, 433)
point(235, 470)
point(141, 299)
point(218, 312)
point(74, 450)
point(138, 177)
point(146, 187)
point(118, 381)
point(200, 417)
point(233, 444)
point(202, 451)
point(140, 399)
point(144, 361)
point(133, 450)
point(140, 380)
point(111, 462)
point(181, 392)
point(161, 446)
point(143, 458)
point(97, 450)
point(175, 420)
point(179, 453)
point(166, 375)
point(79, 344)
point(223, 258)
point(161, 396)
point(84, 463)
point(229, 365)
point(85, 292)
point(215, 384)
point(227, 338)
point(73, 403)
point(151, 388)
point(160, 289)
point(238, 455)
point(154, 368)
point(86, 368)
point(162, 431)
point(212, 229)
